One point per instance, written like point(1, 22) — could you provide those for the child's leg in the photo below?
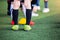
point(46, 3)
point(38, 2)
point(34, 7)
point(16, 5)
point(27, 4)
point(9, 3)
point(11, 10)
point(46, 9)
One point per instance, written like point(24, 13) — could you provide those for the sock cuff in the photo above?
point(15, 9)
point(28, 9)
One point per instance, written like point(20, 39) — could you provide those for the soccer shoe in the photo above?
point(12, 23)
point(46, 10)
point(15, 27)
point(31, 23)
point(27, 27)
point(34, 14)
point(38, 7)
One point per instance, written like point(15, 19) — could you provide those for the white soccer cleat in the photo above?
point(38, 7)
point(46, 10)
point(34, 14)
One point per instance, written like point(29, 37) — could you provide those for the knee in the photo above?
point(16, 4)
point(27, 4)
point(28, 7)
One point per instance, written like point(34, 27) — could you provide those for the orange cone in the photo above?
point(31, 23)
point(12, 23)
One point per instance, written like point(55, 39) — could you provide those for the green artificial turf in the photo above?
point(47, 25)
